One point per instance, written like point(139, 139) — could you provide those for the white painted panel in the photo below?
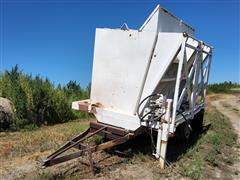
point(151, 23)
point(117, 119)
point(163, 21)
point(169, 23)
point(166, 47)
point(120, 62)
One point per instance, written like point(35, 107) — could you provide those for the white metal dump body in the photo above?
point(161, 57)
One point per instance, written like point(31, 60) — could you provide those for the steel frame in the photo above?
point(196, 74)
point(115, 135)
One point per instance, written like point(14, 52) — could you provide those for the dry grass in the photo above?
point(213, 148)
point(18, 144)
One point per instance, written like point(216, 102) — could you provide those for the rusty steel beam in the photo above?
point(112, 143)
point(53, 160)
point(62, 150)
point(112, 129)
point(116, 135)
point(69, 143)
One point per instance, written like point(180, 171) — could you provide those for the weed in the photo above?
point(209, 149)
point(50, 176)
point(141, 156)
point(211, 157)
point(97, 139)
point(30, 127)
point(235, 109)
point(42, 139)
point(229, 160)
point(191, 168)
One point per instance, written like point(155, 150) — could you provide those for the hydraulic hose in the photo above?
point(138, 109)
point(184, 117)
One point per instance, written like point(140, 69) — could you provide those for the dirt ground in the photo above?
point(113, 166)
point(229, 106)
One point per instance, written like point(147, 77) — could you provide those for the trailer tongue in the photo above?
point(114, 135)
point(154, 78)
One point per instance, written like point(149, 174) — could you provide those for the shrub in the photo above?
point(224, 87)
point(38, 101)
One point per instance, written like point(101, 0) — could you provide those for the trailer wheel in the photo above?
point(197, 122)
point(183, 132)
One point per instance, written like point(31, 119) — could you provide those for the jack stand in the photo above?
point(158, 147)
point(163, 145)
point(162, 138)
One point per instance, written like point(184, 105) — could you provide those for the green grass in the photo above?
point(210, 149)
point(49, 176)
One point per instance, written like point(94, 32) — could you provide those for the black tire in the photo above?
point(197, 122)
point(183, 132)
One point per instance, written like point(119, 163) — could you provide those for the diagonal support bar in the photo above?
point(53, 160)
point(62, 150)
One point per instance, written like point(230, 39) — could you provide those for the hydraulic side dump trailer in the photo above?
point(151, 78)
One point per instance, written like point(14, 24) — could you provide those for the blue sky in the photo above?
point(56, 38)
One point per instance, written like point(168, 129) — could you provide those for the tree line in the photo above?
point(224, 87)
point(37, 101)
